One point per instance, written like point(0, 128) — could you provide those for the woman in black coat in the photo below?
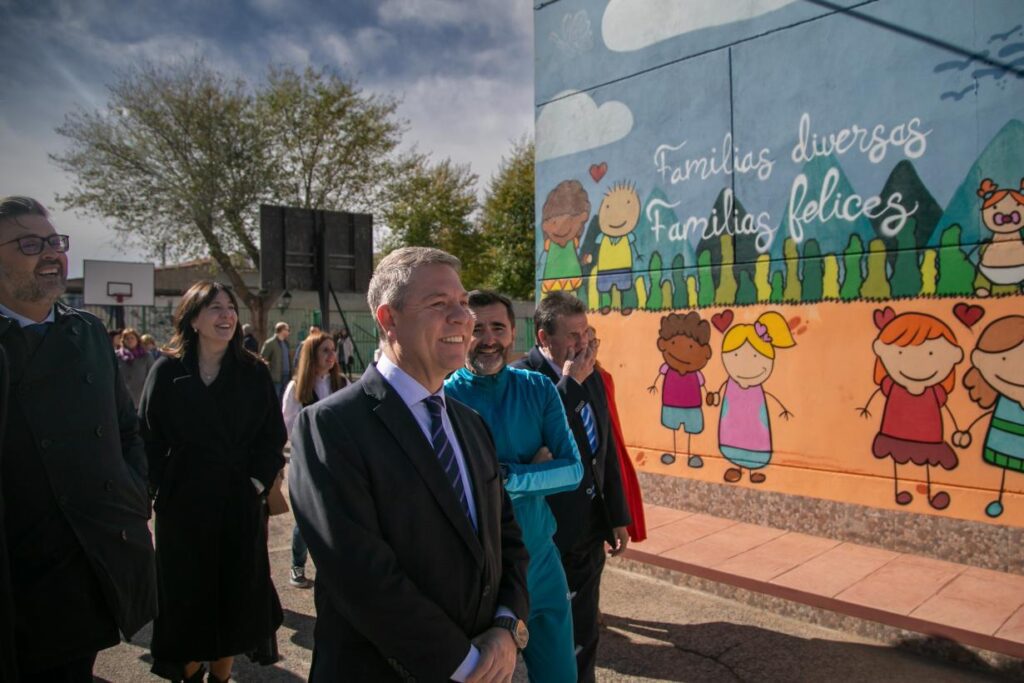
point(214, 437)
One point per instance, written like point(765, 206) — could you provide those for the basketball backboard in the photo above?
point(118, 283)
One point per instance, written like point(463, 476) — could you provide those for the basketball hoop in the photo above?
point(120, 298)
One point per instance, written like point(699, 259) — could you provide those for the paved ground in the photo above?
point(654, 631)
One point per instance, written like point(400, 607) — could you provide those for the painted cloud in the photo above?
point(634, 24)
point(573, 123)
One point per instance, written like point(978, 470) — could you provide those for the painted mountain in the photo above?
point(905, 180)
point(1003, 161)
point(832, 235)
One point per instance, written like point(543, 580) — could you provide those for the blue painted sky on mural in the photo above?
point(647, 86)
point(463, 69)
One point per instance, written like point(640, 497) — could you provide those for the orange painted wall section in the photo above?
point(824, 450)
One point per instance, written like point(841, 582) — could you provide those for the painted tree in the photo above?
point(830, 280)
point(956, 273)
point(746, 293)
point(929, 272)
point(792, 259)
point(726, 292)
point(852, 259)
point(706, 282)
point(876, 284)
point(654, 301)
point(680, 299)
point(906, 273)
point(691, 290)
point(778, 287)
point(762, 277)
point(813, 271)
point(666, 293)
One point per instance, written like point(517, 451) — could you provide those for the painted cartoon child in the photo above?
point(684, 342)
point(617, 218)
point(1002, 259)
point(997, 378)
point(744, 430)
point(915, 359)
point(563, 218)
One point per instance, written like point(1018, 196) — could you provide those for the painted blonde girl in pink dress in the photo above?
point(744, 429)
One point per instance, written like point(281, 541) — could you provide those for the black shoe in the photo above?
point(298, 578)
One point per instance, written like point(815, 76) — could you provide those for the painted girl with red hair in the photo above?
point(1002, 259)
point(915, 360)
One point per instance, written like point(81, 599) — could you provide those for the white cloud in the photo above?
point(634, 24)
point(574, 123)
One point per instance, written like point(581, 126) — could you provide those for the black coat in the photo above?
point(74, 472)
point(204, 443)
point(403, 581)
point(599, 503)
point(8, 663)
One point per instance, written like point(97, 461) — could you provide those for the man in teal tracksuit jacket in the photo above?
point(538, 456)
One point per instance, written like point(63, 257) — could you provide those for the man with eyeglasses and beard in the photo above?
point(538, 457)
point(74, 493)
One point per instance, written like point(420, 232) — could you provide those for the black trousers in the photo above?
point(583, 566)
point(76, 671)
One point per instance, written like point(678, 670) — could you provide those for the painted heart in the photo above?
point(722, 320)
point(883, 316)
point(968, 314)
point(597, 171)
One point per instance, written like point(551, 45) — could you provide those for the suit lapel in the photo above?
point(476, 477)
point(398, 420)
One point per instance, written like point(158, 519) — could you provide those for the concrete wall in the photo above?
point(806, 181)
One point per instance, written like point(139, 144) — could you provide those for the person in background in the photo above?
point(346, 351)
point(249, 340)
point(538, 457)
point(317, 376)
point(75, 505)
point(149, 343)
point(214, 438)
point(115, 339)
point(298, 348)
point(278, 355)
point(134, 363)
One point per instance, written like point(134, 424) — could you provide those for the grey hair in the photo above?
point(13, 207)
point(390, 282)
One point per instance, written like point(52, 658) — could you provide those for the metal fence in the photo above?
point(157, 321)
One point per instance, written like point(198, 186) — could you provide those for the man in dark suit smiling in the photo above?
point(421, 569)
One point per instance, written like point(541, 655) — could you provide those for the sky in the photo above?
point(463, 69)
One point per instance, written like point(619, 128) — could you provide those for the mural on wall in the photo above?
point(744, 426)
point(915, 369)
point(863, 196)
point(684, 341)
point(996, 378)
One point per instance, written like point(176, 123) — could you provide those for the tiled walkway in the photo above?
point(973, 606)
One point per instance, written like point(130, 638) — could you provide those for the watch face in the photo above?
point(521, 634)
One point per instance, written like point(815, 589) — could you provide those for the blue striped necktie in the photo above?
point(591, 427)
point(445, 452)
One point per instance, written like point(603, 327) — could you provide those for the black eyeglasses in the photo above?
point(30, 245)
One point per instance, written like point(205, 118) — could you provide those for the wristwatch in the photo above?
point(516, 627)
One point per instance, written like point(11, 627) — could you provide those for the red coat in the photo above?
point(630, 485)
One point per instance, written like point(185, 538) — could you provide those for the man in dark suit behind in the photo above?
point(596, 512)
point(421, 569)
point(75, 497)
